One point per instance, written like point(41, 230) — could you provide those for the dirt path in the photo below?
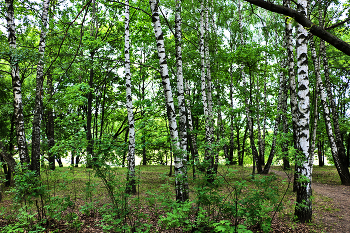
point(331, 206)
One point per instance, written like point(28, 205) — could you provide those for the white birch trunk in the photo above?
point(180, 79)
point(131, 185)
point(16, 85)
point(204, 72)
point(190, 125)
point(35, 162)
point(316, 63)
point(344, 176)
point(180, 89)
point(210, 155)
point(180, 170)
point(303, 208)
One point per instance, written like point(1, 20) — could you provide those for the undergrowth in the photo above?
point(68, 197)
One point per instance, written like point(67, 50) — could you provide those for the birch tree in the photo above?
point(131, 185)
point(180, 169)
point(16, 85)
point(35, 162)
point(303, 208)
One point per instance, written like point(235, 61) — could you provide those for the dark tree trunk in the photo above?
point(50, 124)
point(126, 144)
point(348, 150)
point(320, 155)
point(240, 163)
point(89, 149)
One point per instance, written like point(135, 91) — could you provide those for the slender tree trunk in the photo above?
point(103, 110)
point(348, 151)
point(303, 208)
point(181, 95)
point(211, 152)
point(316, 63)
point(205, 89)
point(180, 169)
point(277, 123)
point(10, 161)
point(35, 162)
point(260, 142)
point(16, 85)
point(8, 172)
point(180, 80)
point(255, 153)
point(89, 149)
point(243, 144)
point(320, 155)
point(334, 112)
point(131, 185)
point(230, 157)
point(192, 135)
point(341, 168)
point(292, 87)
point(50, 127)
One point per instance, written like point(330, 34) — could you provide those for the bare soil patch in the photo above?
point(331, 206)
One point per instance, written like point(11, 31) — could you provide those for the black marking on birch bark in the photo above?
point(154, 17)
point(160, 37)
point(302, 86)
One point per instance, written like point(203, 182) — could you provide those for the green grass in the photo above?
point(326, 175)
point(154, 186)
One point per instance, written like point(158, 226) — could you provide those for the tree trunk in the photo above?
point(194, 148)
point(10, 161)
point(255, 153)
point(303, 208)
point(181, 96)
point(205, 90)
point(316, 63)
point(334, 112)
point(348, 151)
point(342, 170)
point(131, 184)
point(35, 162)
point(16, 85)
point(320, 155)
point(277, 123)
point(89, 149)
point(180, 169)
point(230, 157)
point(50, 125)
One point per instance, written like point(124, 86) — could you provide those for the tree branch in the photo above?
point(306, 23)
point(338, 24)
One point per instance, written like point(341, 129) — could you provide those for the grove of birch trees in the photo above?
point(190, 84)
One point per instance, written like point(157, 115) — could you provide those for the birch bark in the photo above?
point(190, 125)
point(303, 208)
point(16, 85)
point(180, 169)
point(35, 162)
point(345, 178)
point(342, 170)
point(180, 79)
point(131, 184)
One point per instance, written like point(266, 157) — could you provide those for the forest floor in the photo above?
point(331, 203)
